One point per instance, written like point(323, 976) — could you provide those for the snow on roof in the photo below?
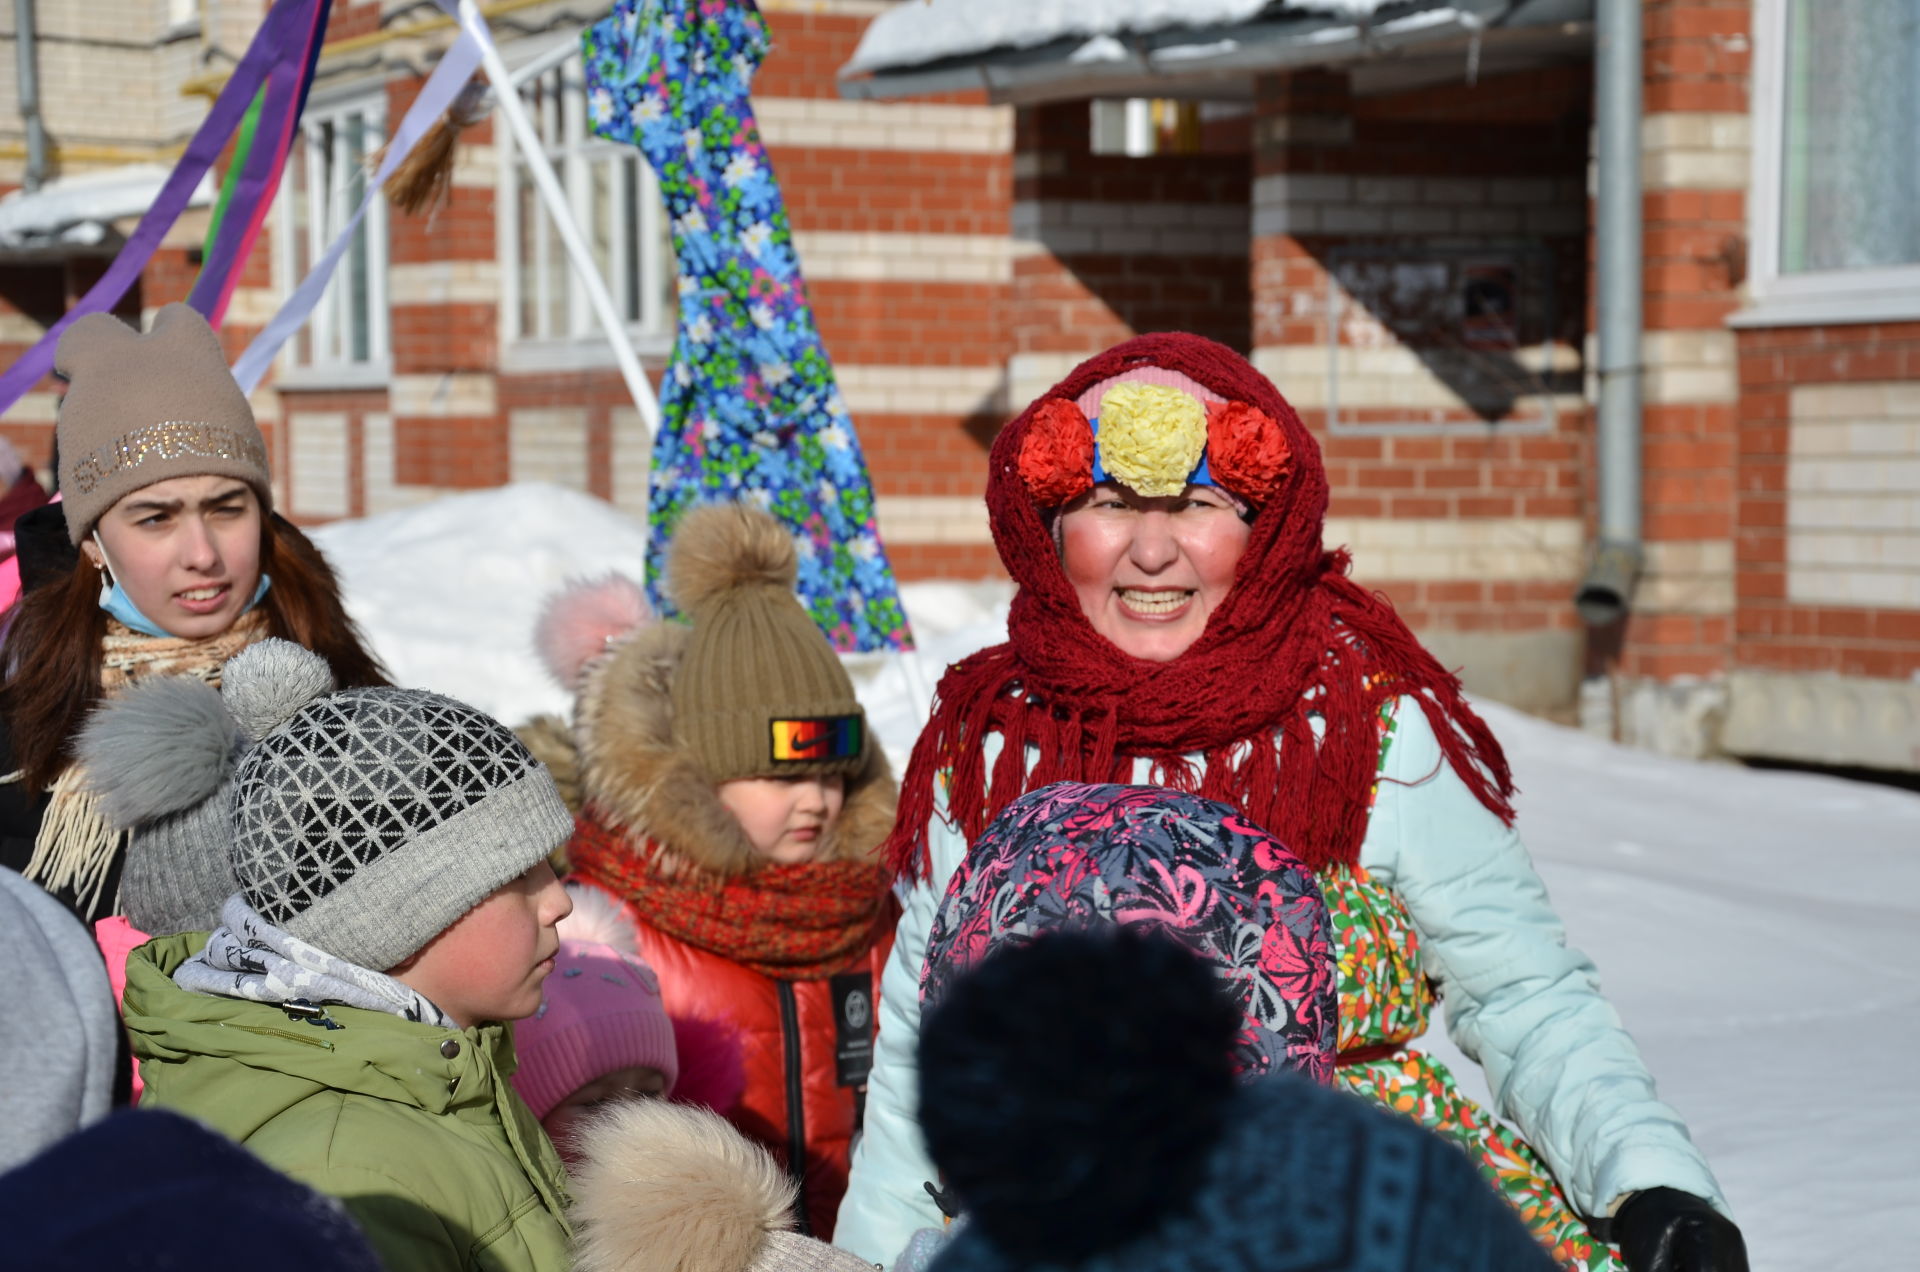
point(76, 210)
point(916, 32)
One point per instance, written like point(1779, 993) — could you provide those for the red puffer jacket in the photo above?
point(790, 1036)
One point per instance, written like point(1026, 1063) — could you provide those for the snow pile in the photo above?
point(923, 31)
point(1758, 931)
point(448, 592)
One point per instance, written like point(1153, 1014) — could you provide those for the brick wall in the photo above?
point(1456, 470)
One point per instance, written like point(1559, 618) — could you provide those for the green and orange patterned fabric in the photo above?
point(1385, 1000)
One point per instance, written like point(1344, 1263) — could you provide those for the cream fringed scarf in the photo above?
point(76, 847)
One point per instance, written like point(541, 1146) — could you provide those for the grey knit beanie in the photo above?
point(364, 821)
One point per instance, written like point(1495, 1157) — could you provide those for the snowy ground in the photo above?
point(1759, 931)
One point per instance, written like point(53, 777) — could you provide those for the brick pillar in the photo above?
point(1669, 677)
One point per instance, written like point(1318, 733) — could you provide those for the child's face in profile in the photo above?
point(490, 964)
point(631, 1083)
point(785, 818)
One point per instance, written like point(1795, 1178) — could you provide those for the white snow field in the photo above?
point(1759, 931)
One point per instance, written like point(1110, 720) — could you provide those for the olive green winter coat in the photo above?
point(415, 1128)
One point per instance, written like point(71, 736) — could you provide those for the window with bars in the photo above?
point(614, 198)
point(326, 177)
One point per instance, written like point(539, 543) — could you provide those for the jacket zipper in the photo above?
point(796, 1114)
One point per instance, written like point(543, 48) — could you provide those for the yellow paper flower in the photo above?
point(1151, 437)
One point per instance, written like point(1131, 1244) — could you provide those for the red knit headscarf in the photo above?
point(1294, 637)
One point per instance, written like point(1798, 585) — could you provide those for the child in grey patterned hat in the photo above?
point(395, 908)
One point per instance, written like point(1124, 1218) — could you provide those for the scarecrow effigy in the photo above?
point(750, 411)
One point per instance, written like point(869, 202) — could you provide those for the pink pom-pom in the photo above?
point(599, 919)
point(579, 622)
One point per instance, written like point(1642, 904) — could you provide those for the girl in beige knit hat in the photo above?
point(180, 564)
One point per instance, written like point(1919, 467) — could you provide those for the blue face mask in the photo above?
point(115, 601)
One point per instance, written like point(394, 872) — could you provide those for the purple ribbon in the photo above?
point(286, 95)
point(289, 19)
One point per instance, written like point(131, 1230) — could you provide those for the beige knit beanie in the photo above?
point(760, 692)
point(144, 408)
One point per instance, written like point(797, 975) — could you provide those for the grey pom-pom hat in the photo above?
point(363, 821)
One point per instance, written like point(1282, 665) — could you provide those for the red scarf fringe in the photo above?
point(1295, 638)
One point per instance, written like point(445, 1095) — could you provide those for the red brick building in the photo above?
point(1393, 214)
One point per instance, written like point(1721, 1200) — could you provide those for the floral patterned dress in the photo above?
point(1385, 1000)
point(749, 411)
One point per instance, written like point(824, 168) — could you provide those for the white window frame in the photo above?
point(1889, 293)
point(561, 119)
point(325, 325)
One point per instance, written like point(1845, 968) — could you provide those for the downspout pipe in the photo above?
point(1607, 590)
point(26, 55)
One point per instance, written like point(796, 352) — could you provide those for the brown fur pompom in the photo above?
point(719, 547)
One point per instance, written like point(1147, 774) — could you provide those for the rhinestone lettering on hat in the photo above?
point(353, 776)
point(169, 439)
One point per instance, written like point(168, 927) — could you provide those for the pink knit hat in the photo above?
point(601, 1011)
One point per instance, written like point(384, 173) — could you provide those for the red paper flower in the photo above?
point(1246, 451)
point(1056, 455)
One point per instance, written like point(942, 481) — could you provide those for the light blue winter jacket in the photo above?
point(1517, 999)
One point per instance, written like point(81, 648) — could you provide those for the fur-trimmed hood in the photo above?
point(671, 1188)
point(600, 640)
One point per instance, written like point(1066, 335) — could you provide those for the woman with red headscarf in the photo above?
point(1179, 622)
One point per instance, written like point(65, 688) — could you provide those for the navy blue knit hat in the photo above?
point(1074, 856)
point(153, 1190)
point(1075, 1094)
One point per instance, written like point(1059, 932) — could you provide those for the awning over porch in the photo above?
point(1037, 50)
point(76, 213)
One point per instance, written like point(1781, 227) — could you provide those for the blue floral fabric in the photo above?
point(750, 411)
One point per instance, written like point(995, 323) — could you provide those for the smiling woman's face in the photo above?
point(1150, 572)
point(186, 550)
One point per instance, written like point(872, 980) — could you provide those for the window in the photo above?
point(1836, 190)
point(326, 178)
point(615, 200)
point(1141, 126)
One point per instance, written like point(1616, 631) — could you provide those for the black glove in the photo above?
point(1666, 1230)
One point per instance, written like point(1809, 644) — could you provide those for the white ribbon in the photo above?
point(469, 52)
point(448, 78)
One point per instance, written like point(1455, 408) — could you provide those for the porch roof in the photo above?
point(1039, 50)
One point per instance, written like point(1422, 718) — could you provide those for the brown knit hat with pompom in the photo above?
point(759, 692)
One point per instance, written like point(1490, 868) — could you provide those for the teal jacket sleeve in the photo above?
point(1518, 999)
point(887, 1201)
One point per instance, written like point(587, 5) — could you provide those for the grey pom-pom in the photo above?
point(266, 683)
point(164, 745)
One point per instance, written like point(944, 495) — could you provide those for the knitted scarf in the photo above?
point(76, 846)
point(789, 922)
point(1294, 638)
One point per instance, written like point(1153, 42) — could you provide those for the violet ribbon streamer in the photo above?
point(287, 20)
point(265, 161)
